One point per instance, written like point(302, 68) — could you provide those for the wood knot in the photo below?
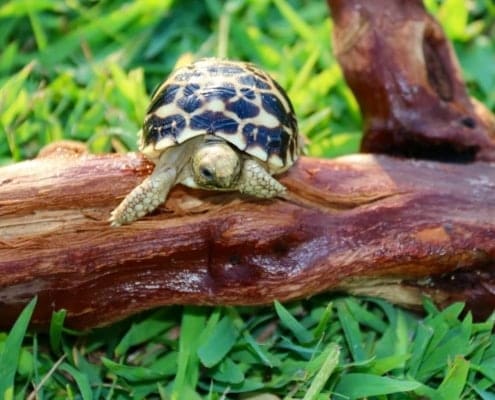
point(63, 149)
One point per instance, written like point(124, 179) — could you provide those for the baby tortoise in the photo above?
point(214, 124)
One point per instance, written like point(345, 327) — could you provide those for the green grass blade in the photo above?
point(454, 340)
point(56, 329)
point(484, 395)
point(324, 319)
point(487, 368)
point(453, 15)
point(358, 386)
point(326, 370)
point(420, 344)
point(37, 26)
point(229, 372)
point(292, 324)
point(257, 349)
point(366, 317)
point(143, 331)
point(11, 351)
point(166, 366)
point(296, 22)
point(383, 365)
point(193, 322)
point(81, 379)
point(218, 343)
point(455, 380)
point(352, 332)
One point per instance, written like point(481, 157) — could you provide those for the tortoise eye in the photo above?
point(206, 173)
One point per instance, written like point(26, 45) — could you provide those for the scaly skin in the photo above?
point(144, 198)
point(154, 190)
point(255, 181)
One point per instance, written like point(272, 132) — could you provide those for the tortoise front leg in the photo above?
point(145, 197)
point(256, 181)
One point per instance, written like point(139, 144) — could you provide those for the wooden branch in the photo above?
point(408, 83)
point(362, 224)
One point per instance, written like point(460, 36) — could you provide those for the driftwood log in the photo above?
point(407, 80)
point(364, 224)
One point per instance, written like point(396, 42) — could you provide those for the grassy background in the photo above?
point(83, 70)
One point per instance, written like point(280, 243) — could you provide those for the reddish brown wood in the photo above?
point(408, 83)
point(363, 224)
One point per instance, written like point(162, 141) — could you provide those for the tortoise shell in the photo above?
point(233, 100)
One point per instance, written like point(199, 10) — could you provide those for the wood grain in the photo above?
point(362, 224)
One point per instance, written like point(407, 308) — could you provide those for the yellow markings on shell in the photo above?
point(164, 143)
point(140, 140)
point(264, 118)
point(238, 139)
point(187, 134)
point(275, 163)
point(166, 110)
point(258, 152)
point(268, 120)
point(216, 105)
point(282, 99)
point(150, 152)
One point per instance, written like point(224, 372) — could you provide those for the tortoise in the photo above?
point(214, 124)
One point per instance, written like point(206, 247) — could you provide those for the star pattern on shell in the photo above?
point(233, 100)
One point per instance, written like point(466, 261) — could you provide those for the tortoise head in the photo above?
point(216, 165)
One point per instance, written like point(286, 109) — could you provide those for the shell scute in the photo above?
point(169, 93)
point(248, 93)
point(190, 103)
point(187, 76)
point(227, 69)
point(243, 109)
point(253, 81)
point(274, 139)
point(159, 128)
point(212, 122)
point(272, 105)
point(224, 92)
point(190, 89)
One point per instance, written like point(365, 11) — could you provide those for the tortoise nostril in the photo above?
point(468, 122)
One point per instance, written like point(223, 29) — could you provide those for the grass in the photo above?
point(83, 70)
